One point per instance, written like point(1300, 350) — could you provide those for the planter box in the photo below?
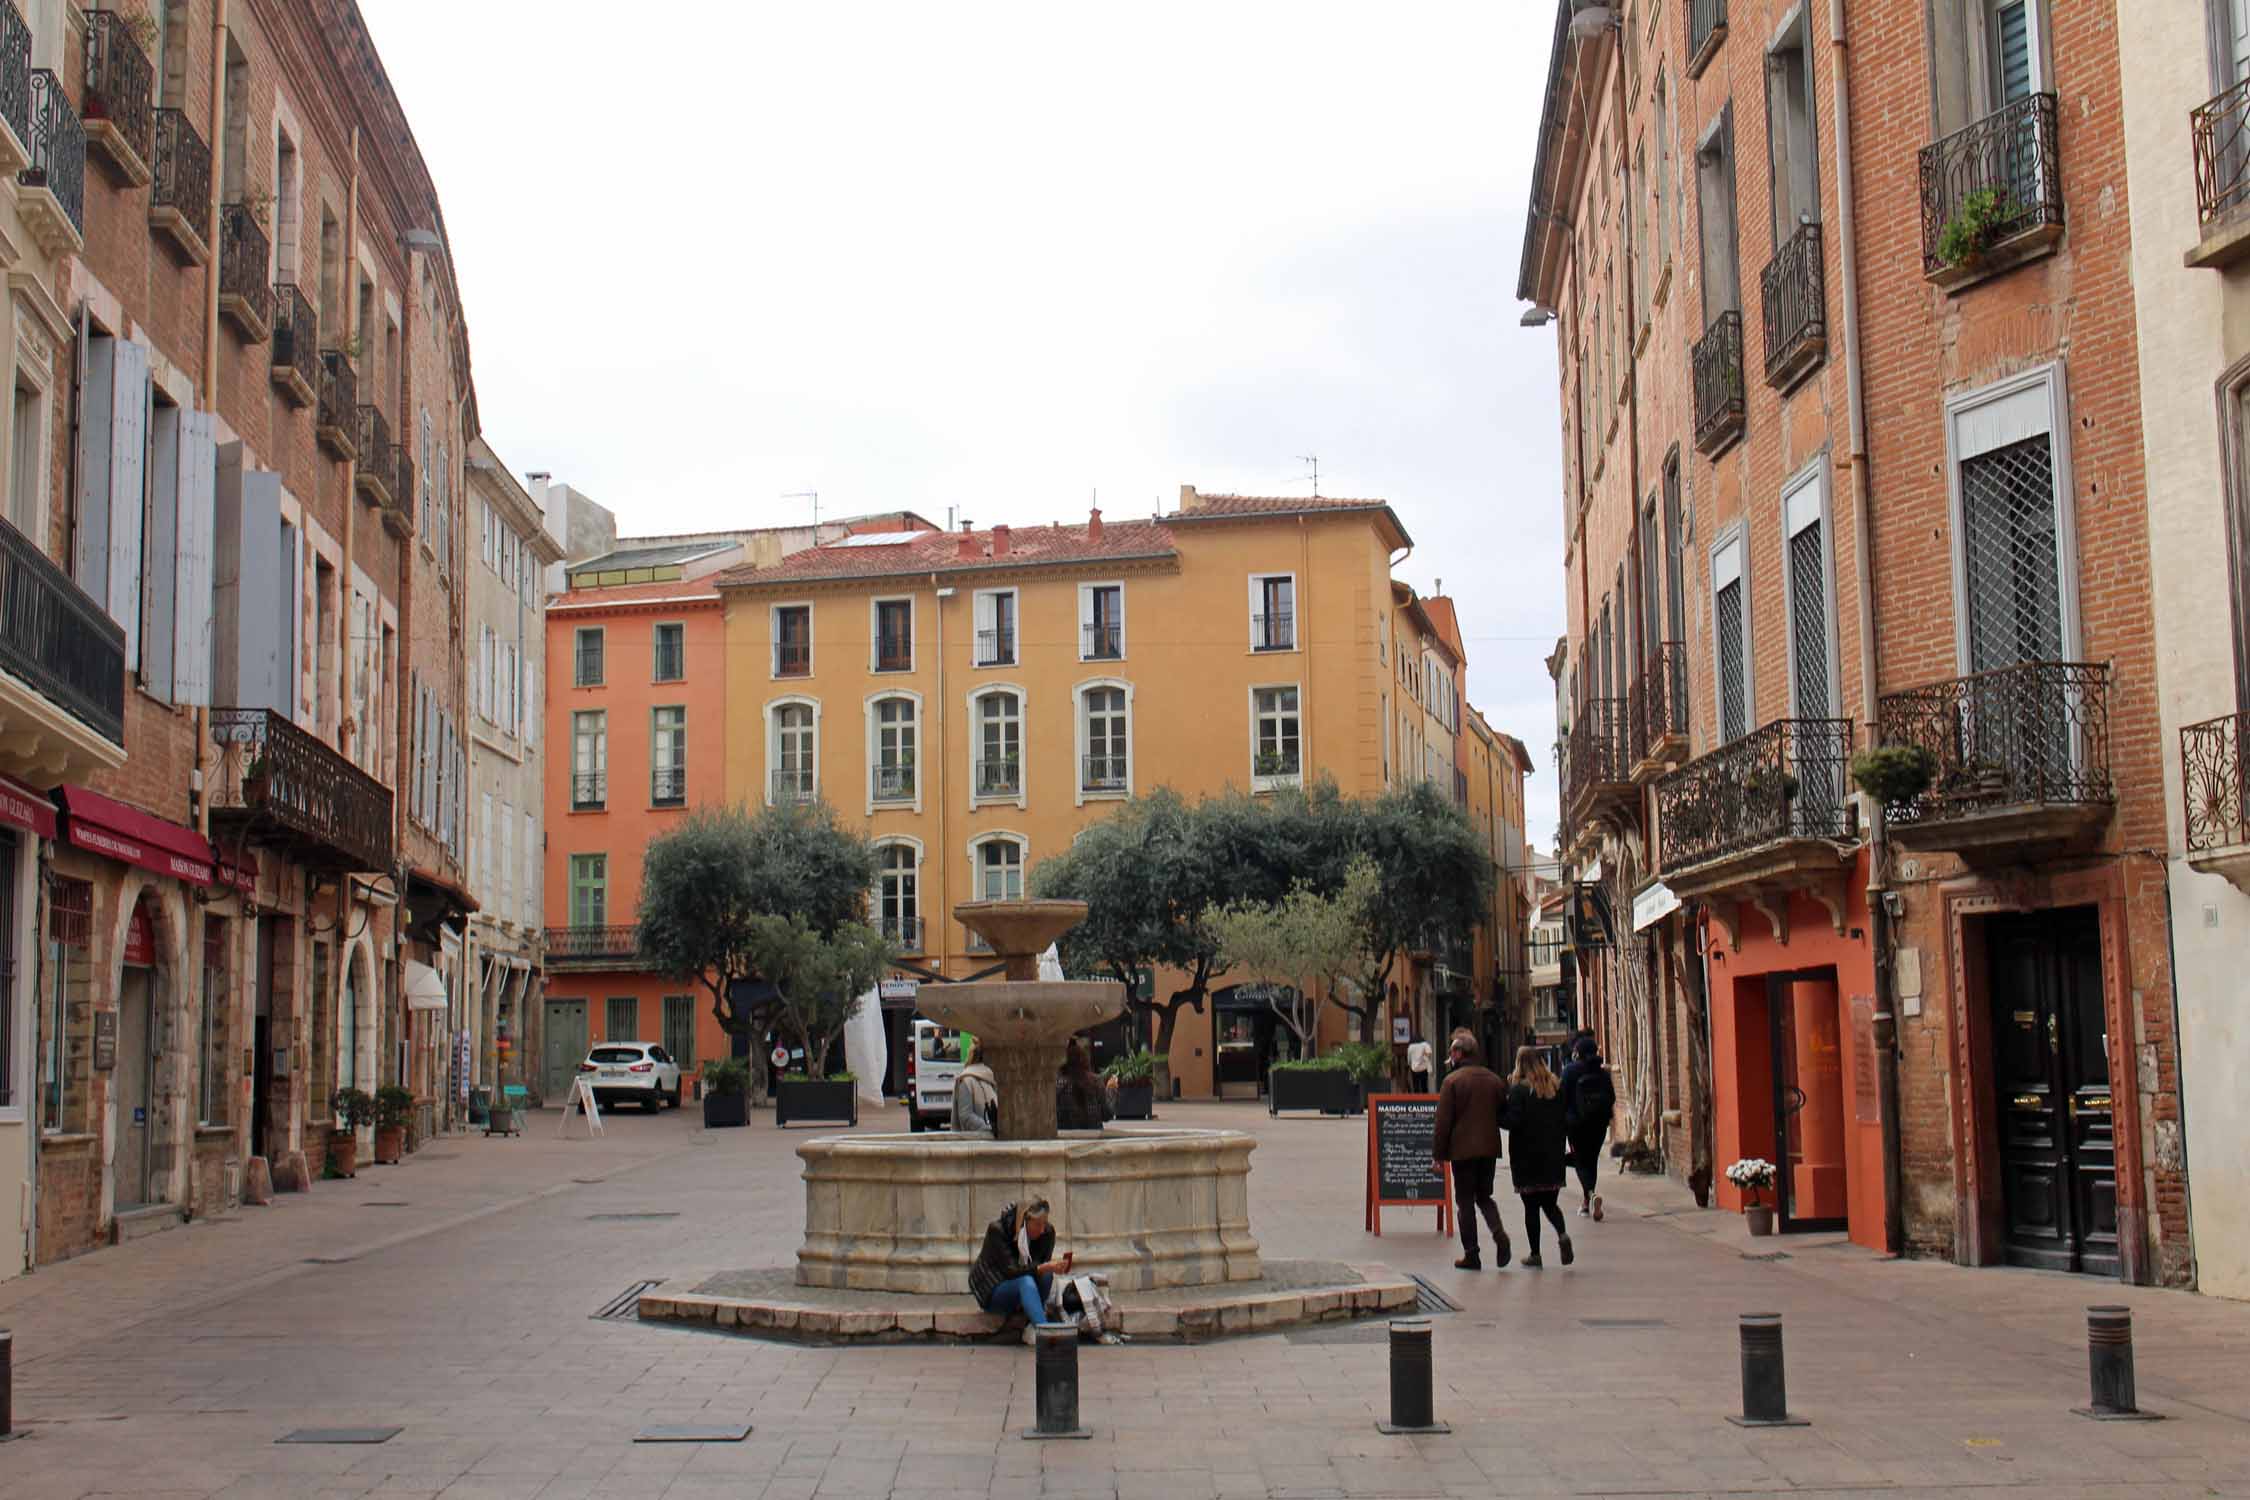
point(829, 1103)
point(1136, 1101)
point(1352, 1095)
point(1321, 1089)
point(721, 1110)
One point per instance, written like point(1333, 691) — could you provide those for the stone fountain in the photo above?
point(1151, 1207)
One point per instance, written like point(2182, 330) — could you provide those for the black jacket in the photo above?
point(1081, 1103)
point(1535, 1140)
point(998, 1261)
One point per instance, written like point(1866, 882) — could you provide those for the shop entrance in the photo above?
point(566, 1048)
point(1247, 1039)
point(1806, 1037)
point(139, 1044)
point(2058, 1151)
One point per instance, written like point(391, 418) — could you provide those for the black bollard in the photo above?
point(2109, 1367)
point(1413, 1408)
point(7, 1385)
point(1765, 1386)
point(1054, 1373)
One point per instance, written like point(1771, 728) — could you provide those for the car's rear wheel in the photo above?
point(677, 1086)
point(654, 1103)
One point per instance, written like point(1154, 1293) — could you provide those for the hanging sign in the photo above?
point(1652, 904)
point(1592, 925)
point(1401, 1172)
point(898, 989)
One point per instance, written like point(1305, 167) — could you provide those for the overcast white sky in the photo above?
point(1003, 256)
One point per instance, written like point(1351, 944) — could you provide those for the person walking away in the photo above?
point(1467, 1134)
point(1081, 1103)
point(976, 1093)
point(1589, 1100)
point(1418, 1064)
point(1016, 1266)
point(1533, 1115)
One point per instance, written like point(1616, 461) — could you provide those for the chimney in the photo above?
point(1000, 541)
point(1189, 499)
point(969, 547)
point(1094, 525)
point(967, 525)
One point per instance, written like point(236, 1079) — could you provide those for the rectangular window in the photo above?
point(623, 1022)
point(10, 1096)
point(589, 764)
point(1714, 202)
point(1274, 724)
point(1730, 624)
point(216, 1071)
point(1792, 150)
point(589, 656)
point(27, 487)
point(1645, 260)
point(589, 890)
point(1273, 612)
point(897, 894)
point(792, 640)
point(1661, 162)
point(894, 750)
point(1811, 615)
point(1101, 622)
point(996, 628)
point(999, 764)
point(894, 635)
point(1000, 870)
point(671, 653)
point(668, 757)
point(2011, 559)
point(679, 1030)
point(1105, 740)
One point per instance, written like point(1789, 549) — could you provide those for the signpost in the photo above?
point(1400, 1171)
point(582, 1099)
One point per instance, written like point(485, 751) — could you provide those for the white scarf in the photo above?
point(1023, 1241)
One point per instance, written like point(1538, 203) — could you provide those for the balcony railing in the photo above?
point(1785, 781)
point(903, 933)
point(593, 944)
point(15, 78)
point(792, 658)
point(56, 176)
point(1001, 777)
point(793, 784)
point(667, 786)
point(1659, 702)
point(398, 516)
point(1707, 28)
point(244, 293)
point(2211, 772)
point(589, 791)
point(119, 100)
point(1103, 773)
point(377, 473)
point(1717, 364)
point(2034, 735)
point(894, 783)
point(2220, 133)
point(1991, 192)
point(296, 345)
point(1283, 763)
point(1794, 299)
point(996, 648)
point(180, 202)
point(337, 420)
point(1274, 631)
point(294, 792)
point(894, 653)
point(57, 639)
point(1104, 641)
point(1600, 749)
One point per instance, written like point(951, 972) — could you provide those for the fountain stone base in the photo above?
point(1149, 1208)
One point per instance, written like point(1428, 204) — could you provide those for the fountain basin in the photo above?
point(1150, 1208)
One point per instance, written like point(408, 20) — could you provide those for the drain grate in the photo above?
point(625, 1307)
point(627, 1218)
point(1769, 1255)
point(1428, 1299)
point(1614, 1323)
point(341, 1435)
point(384, 1203)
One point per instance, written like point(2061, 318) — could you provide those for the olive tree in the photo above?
point(1303, 947)
point(820, 977)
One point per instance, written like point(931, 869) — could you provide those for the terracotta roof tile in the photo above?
point(633, 593)
point(941, 552)
point(1252, 505)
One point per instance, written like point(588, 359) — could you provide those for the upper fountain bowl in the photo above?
point(1018, 929)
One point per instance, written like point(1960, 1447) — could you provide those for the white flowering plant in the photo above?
point(1752, 1174)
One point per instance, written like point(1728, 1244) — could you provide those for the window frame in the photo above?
point(1005, 836)
point(578, 639)
point(1021, 796)
point(1717, 142)
point(656, 651)
point(875, 633)
point(873, 744)
point(772, 715)
point(1267, 783)
point(2044, 390)
point(1083, 739)
point(1086, 622)
point(1806, 501)
point(684, 1057)
point(885, 846)
point(1258, 611)
point(774, 612)
point(593, 881)
point(1793, 34)
point(984, 605)
point(656, 731)
point(1730, 563)
point(601, 769)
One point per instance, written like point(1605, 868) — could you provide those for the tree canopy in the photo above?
point(1306, 945)
point(820, 976)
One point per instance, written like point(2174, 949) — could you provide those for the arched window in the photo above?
point(1104, 735)
point(898, 908)
point(998, 762)
point(794, 751)
point(999, 868)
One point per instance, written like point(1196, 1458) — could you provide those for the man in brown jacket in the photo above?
point(1468, 1135)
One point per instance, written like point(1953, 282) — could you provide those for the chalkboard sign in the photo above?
point(1400, 1171)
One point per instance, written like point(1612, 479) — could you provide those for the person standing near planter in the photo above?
point(1534, 1117)
point(1418, 1065)
point(1016, 1266)
point(1589, 1098)
point(1467, 1134)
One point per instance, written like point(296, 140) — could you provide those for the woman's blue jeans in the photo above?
point(1025, 1292)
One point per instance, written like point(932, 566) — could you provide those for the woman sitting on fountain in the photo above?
point(1013, 1270)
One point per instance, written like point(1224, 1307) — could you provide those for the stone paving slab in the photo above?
point(768, 1302)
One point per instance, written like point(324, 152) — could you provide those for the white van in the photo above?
point(932, 1064)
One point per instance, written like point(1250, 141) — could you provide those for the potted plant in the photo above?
point(1975, 227)
point(1895, 774)
point(726, 1092)
point(354, 1108)
point(254, 780)
point(1135, 1074)
point(1755, 1176)
point(800, 1096)
point(1274, 763)
point(1367, 1070)
point(1316, 1083)
point(394, 1109)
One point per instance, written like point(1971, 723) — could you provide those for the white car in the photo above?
point(931, 1066)
point(622, 1071)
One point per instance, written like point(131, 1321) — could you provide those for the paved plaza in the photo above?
point(455, 1297)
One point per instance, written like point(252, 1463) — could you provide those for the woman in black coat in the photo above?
point(1537, 1136)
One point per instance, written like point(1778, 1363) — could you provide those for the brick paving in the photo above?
point(168, 1367)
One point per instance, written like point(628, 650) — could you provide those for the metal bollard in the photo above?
point(2109, 1367)
point(1413, 1409)
point(1054, 1374)
point(7, 1385)
point(1765, 1385)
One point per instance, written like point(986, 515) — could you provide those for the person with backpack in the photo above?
point(1536, 1137)
point(1589, 1100)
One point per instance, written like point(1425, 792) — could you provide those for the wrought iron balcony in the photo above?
point(1659, 709)
point(792, 658)
point(903, 933)
point(589, 791)
point(245, 296)
point(1992, 193)
point(56, 639)
point(283, 788)
point(1794, 298)
point(1707, 28)
point(180, 204)
point(119, 100)
point(53, 200)
point(336, 422)
point(377, 474)
point(996, 648)
point(2219, 133)
point(1600, 761)
point(1717, 367)
point(296, 345)
point(1274, 631)
point(1277, 765)
point(999, 776)
point(2214, 756)
point(894, 652)
point(1771, 812)
point(894, 783)
point(1103, 773)
point(398, 516)
point(1103, 641)
point(667, 786)
point(2022, 758)
point(595, 947)
point(794, 784)
point(15, 89)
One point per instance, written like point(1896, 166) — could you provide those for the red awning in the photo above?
point(109, 827)
point(21, 807)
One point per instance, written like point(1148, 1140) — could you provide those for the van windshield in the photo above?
point(940, 1046)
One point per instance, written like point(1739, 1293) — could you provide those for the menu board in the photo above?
point(1400, 1170)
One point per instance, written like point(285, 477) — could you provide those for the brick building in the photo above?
point(1893, 500)
point(242, 396)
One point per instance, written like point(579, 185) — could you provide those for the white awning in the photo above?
point(425, 987)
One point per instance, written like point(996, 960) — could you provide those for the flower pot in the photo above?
point(1136, 1101)
point(827, 1101)
point(390, 1143)
point(343, 1153)
point(721, 1110)
point(1760, 1216)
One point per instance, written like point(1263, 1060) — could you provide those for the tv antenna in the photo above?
point(813, 496)
point(1314, 460)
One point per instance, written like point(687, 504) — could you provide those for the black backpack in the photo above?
point(1597, 1096)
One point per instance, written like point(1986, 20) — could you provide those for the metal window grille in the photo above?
point(1734, 698)
point(2011, 563)
point(212, 1097)
point(679, 1029)
point(671, 653)
point(622, 1020)
point(589, 658)
point(1808, 621)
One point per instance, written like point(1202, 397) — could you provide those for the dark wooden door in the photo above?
point(2058, 1154)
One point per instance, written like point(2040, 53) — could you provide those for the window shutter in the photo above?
point(531, 708)
point(246, 590)
point(112, 431)
point(156, 567)
point(192, 592)
point(292, 622)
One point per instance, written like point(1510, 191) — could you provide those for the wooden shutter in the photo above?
point(192, 591)
point(112, 434)
point(246, 588)
point(159, 551)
